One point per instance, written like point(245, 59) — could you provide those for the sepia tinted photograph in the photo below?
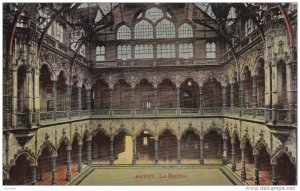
point(144, 94)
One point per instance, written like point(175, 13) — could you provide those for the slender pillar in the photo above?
point(155, 101)
point(156, 151)
point(178, 152)
point(225, 149)
point(201, 100)
point(256, 170)
point(54, 94)
point(254, 91)
point(88, 99)
point(53, 168)
point(201, 150)
point(79, 97)
point(69, 173)
point(33, 174)
point(79, 156)
point(224, 88)
point(233, 163)
point(134, 157)
point(243, 173)
point(89, 150)
point(274, 174)
point(68, 100)
point(178, 99)
point(112, 158)
point(232, 94)
point(242, 93)
point(110, 101)
point(291, 91)
point(133, 101)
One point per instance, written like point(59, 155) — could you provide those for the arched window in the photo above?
point(82, 50)
point(165, 29)
point(143, 51)
point(124, 52)
point(186, 51)
point(154, 14)
point(210, 50)
point(100, 53)
point(143, 30)
point(123, 32)
point(185, 31)
point(166, 51)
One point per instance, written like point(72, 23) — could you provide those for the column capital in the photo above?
point(69, 147)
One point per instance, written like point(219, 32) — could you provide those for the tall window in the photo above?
point(123, 32)
point(166, 51)
point(248, 27)
point(185, 31)
point(143, 51)
point(210, 50)
point(59, 33)
point(165, 29)
point(124, 52)
point(154, 14)
point(186, 51)
point(143, 30)
point(100, 53)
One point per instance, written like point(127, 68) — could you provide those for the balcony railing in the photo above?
point(272, 116)
point(154, 62)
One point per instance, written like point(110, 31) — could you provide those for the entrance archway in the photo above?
point(213, 147)
point(167, 147)
point(123, 148)
point(145, 146)
point(190, 148)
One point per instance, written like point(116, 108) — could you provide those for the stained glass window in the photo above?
point(166, 51)
point(185, 31)
point(123, 32)
point(124, 52)
point(186, 51)
point(165, 29)
point(211, 50)
point(154, 14)
point(100, 53)
point(143, 51)
point(143, 30)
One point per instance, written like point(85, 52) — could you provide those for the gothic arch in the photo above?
point(64, 139)
point(123, 129)
point(65, 75)
point(193, 129)
point(258, 145)
point(138, 132)
point(245, 138)
point(29, 155)
point(47, 144)
point(53, 77)
point(212, 128)
point(280, 150)
point(100, 129)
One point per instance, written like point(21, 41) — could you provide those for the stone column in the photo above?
point(14, 97)
point(290, 90)
point(69, 172)
point(132, 101)
point(134, 157)
point(89, 150)
point(33, 174)
point(54, 94)
point(232, 94)
point(79, 156)
point(274, 174)
point(155, 101)
point(29, 91)
point(224, 88)
point(178, 99)
point(225, 149)
point(256, 170)
point(36, 93)
point(156, 151)
point(201, 150)
point(79, 97)
point(53, 168)
point(110, 101)
point(68, 100)
point(243, 173)
point(88, 99)
point(112, 158)
point(201, 100)
point(242, 93)
point(233, 164)
point(178, 152)
point(254, 91)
